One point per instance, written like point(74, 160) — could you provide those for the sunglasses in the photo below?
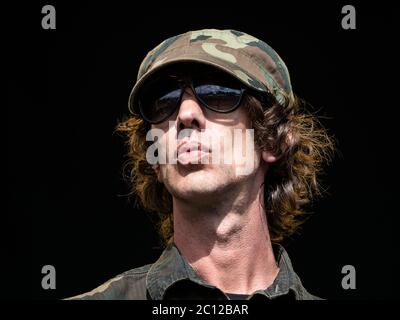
point(217, 91)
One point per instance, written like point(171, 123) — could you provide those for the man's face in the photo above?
point(195, 176)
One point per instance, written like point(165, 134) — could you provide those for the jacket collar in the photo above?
point(171, 267)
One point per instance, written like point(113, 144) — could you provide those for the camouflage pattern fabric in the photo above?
point(245, 57)
point(172, 278)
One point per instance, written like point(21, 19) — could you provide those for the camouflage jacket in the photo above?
point(172, 278)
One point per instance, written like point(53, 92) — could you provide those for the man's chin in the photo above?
point(196, 184)
point(198, 196)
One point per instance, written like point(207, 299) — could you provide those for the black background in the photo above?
point(68, 87)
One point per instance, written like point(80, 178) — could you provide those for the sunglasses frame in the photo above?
point(184, 83)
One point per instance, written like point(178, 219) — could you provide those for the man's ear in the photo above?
point(269, 157)
point(157, 170)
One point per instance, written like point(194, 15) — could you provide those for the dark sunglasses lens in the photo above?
point(219, 93)
point(159, 100)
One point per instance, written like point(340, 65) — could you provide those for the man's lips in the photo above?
point(190, 146)
point(191, 152)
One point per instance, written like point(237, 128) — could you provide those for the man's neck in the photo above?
point(227, 244)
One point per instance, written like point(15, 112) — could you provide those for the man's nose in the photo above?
point(190, 114)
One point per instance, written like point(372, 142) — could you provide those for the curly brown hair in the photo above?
point(288, 129)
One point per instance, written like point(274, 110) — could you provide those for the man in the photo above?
point(221, 220)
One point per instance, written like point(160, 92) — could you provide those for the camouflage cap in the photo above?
point(245, 57)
